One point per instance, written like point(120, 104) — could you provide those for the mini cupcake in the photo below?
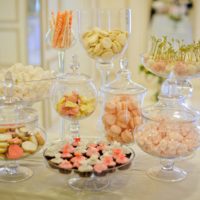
point(77, 159)
point(66, 155)
point(92, 151)
point(101, 147)
point(85, 170)
point(67, 148)
point(108, 160)
point(93, 160)
point(76, 142)
point(100, 169)
point(123, 162)
point(80, 149)
point(94, 145)
point(65, 167)
point(49, 154)
point(55, 162)
point(116, 152)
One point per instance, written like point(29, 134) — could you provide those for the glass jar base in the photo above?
point(174, 175)
point(23, 173)
point(91, 184)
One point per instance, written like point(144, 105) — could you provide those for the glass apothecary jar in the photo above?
point(169, 131)
point(121, 108)
point(74, 97)
point(20, 135)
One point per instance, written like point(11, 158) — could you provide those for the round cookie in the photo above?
point(29, 146)
point(5, 137)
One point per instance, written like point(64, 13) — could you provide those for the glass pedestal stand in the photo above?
point(104, 69)
point(92, 183)
point(167, 172)
point(12, 172)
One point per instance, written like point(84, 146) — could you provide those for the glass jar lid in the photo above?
point(75, 77)
point(123, 84)
point(11, 112)
point(172, 110)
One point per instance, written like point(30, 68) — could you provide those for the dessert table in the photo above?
point(128, 184)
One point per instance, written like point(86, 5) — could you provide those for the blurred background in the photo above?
point(24, 23)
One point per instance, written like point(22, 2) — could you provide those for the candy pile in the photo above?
point(61, 29)
point(104, 44)
point(30, 83)
point(87, 158)
point(168, 140)
point(121, 117)
point(19, 142)
point(75, 106)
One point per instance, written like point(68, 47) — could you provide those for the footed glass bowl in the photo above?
point(87, 163)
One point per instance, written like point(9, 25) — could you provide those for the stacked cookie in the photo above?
point(104, 44)
point(18, 142)
point(87, 158)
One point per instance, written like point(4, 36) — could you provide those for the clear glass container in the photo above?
point(20, 135)
point(169, 131)
point(30, 83)
point(104, 35)
point(74, 97)
point(175, 61)
point(121, 108)
point(60, 35)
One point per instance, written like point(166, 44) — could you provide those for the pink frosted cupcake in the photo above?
point(67, 148)
point(100, 169)
point(116, 152)
point(77, 159)
point(123, 162)
point(92, 151)
point(65, 167)
point(108, 160)
point(66, 155)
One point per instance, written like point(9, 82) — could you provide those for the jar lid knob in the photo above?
point(75, 63)
point(124, 64)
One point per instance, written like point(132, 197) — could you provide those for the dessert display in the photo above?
point(30, 83)
point(164, 58)
point(74, 97)
point(61, 35)
point(122, 106)
point(104, 44)
point(85, 159)
point(19, 142)
point(75, 106)
point(102, 38)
